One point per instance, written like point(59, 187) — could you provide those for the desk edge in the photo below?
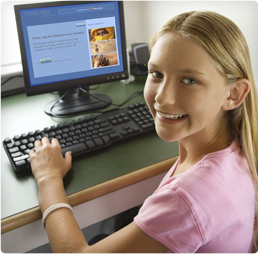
point(77, 198)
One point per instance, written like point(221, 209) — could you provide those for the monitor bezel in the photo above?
point(74, 83)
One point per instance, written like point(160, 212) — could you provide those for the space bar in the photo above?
point(75, 149)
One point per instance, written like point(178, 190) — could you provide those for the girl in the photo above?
point(200, 90)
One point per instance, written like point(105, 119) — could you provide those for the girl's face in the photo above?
point(184, 90)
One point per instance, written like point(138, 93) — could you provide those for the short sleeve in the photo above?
point(166, 217)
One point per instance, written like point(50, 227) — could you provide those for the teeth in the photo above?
point(175, 117)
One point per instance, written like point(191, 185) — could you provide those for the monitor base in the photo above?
point(75, 103)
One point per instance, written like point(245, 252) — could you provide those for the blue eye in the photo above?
point(189, 81)
point(156, 74)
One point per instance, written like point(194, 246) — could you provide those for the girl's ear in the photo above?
point(237, 94)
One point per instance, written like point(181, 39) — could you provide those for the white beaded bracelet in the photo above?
point(53, 208)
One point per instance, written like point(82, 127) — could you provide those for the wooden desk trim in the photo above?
point(77, 198)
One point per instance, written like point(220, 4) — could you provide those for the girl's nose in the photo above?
point(166, 94)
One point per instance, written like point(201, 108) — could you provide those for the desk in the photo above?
point(99, 185)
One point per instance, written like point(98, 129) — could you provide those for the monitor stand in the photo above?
point(75, 102)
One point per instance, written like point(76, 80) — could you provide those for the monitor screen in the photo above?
point(67, 45)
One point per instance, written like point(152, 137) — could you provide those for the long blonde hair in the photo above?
point(224, 41)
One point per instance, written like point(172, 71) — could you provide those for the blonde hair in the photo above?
point(224, 41)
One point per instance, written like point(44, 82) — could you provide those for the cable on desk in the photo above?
point(18, 76)
point(117, 105)
point(58, 101)
point(140, 93)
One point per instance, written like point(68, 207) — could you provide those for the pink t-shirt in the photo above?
point(208, 208)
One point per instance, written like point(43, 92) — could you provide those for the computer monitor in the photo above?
point(67, 47)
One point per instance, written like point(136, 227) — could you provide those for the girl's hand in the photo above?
point(48, 161)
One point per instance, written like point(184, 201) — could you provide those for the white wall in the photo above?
point(134, 26)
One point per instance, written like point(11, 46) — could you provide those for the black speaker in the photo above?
point(140, 57)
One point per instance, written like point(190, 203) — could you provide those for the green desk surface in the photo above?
point(21, 114)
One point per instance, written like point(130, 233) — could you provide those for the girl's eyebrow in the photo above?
point(181, 71)
point(152, 64)
point(191, 71)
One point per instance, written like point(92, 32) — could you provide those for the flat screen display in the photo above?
point(66, 44)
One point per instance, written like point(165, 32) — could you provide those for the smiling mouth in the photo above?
point(174, 117)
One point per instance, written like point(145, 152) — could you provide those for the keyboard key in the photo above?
point(7, 140)
point(58, 132)
point(32, 139)
point(13, 150)
point(31, 133)
point(114, 122)
point(90, 144)
point(23, 147)
point(26, 156)
point(105, 129)
point(24, 135)
point(104, 124)
point(10, 145)
point(20, 163)
point(124, 133)
point(147, 126)
point(98, 141)
point(17, 137)
point(30, 146)
point(114, 136)
point(16, 154)
point(106, 139)
point(106, 133)
point(24, 141)
point(75, 149)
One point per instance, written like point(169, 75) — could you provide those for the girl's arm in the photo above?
point(49, 167)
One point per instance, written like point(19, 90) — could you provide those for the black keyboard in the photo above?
point(83, 135)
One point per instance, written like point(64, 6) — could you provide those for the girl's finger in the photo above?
point(31, 152)
point(37, 144)
point(45, 141)
point(55, 141)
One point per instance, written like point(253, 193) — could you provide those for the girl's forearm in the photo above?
point(51, 191)
point(63, 231)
